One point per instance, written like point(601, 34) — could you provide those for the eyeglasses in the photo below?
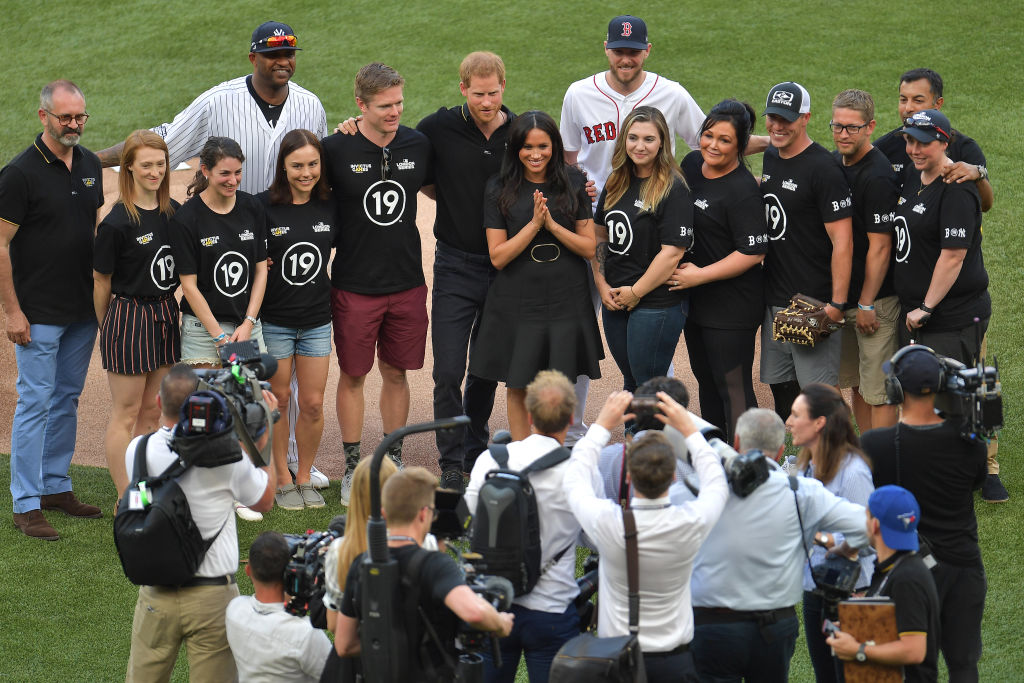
point(278, 41)
point(850, 128)
point(433, 511)
point(65, 119)
point(385, 163)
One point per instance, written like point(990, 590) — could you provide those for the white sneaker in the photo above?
point(318, 478)
point(247, 513)
point(346, 487)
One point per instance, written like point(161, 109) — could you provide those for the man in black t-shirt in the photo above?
point(808, 209)
point(50, 197)
point(444, 597)
point(872, 309)
point(901, 575)
point(927, 455)
point(379, 295)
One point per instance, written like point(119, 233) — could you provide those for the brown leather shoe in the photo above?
point(69, 505)
point(34, 524)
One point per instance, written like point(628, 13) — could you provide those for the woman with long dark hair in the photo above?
point(644, 224)
point(821, 424)
point(133, 292)
point(540, 234)
point(723, 269)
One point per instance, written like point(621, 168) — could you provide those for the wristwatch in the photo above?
point(982, 172)
point(861, 656)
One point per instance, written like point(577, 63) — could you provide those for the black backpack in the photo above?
point(157, 540)
point(506, 526)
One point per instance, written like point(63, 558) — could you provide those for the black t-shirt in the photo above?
point(929, 219)
point(55, 211)
point(905, 579)
point(463, 161)
point(635, 237)
point(894, 147)
point(875, 192)
point(801, 194)
point(439, 575)
point(222, 251)
point(271, 112)
point(942, 470)
point(728, 216)
point(378, 242)
point(299, 241)
point(137, 256)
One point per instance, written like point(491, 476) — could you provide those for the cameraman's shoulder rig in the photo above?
point(803, 322)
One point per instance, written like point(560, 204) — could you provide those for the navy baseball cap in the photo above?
point(271, 36)
point(788, 100)
point(898, 514)
point(928, 125)
point(919, 370)
point(627, 32)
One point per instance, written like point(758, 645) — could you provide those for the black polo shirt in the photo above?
point(55, 211)
point(463, 161)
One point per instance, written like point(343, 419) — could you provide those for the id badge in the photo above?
point(134, 500)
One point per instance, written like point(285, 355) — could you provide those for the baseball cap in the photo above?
point(928, 125)
point(271, 36)
point(788, 100)
point(627, 32)
point(898, 514)
point(919, 370)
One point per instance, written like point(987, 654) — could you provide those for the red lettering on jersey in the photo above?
point(609, 131)
point(589, 133)
point(627, 29)
point(599, 133)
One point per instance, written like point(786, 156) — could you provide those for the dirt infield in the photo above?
point(419, 449)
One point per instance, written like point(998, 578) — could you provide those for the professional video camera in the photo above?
point(304, 573)
point(744, 471)
point(972, 396)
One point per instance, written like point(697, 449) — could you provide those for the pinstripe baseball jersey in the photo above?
point(592, 113)
point(229, 110)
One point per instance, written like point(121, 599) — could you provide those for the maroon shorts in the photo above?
point(393, 324)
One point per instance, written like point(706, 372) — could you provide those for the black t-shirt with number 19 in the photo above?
point(222, 251)
point(299, 241)
point(137, 255)
point(801, 194)
point(375, 192)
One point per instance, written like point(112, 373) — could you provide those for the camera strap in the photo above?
point(632, 569)
point(794, 484)
point(259, 458)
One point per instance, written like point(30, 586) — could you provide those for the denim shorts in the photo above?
point(285, 342)
point(197, 347)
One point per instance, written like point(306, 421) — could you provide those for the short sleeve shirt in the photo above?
point(894, 147)
point(801, 194)
point(375, 193)
point(299, 242)
point(929, 219)
point(136, 254)
point(222, 251)
point(729, 216)
point(905, 579)
point(635, 236)
point(55, 211)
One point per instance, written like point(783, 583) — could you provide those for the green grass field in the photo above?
point(65, 608)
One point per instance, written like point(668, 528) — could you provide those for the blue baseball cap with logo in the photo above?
point(271, 36)
point(928, 125)
point(627, 32)
point(898, 515)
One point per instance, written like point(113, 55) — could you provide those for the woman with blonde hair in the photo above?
point(133, 293)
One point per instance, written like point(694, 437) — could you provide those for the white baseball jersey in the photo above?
point(592, 113)
point(229, 110)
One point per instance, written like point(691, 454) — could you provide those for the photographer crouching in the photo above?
point(443, 595)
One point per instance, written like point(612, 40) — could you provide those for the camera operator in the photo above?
point(927, 455)
point(893, 516)
point(668, 535)
point(747, 577)
point(444, 597)
point(194, 611)
point(268, 643)
point(546, 617)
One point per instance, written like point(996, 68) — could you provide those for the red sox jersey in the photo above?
point(592, 113)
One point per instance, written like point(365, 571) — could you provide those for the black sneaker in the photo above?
point(451, 479)
point(993, 491)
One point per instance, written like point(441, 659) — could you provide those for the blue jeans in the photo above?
point(827, 669)
point(51, 374)
point(643, 341)
point(743, 650)
point(461, 281)
point(538, 636)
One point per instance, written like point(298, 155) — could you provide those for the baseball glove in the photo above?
point(803, 321)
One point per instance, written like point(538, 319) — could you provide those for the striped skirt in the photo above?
point(140, 335)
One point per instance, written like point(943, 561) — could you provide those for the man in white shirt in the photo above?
point(270, 645)
point(546, 617)
point(668, 535)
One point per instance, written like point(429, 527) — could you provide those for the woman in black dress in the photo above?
point(134, 282)
point(723, 269)
point(540, 233)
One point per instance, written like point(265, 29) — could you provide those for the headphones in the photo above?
point(893, 388)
